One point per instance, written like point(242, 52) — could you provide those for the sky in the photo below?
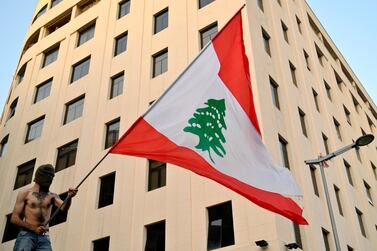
point(351, 25)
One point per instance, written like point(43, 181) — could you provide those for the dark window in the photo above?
point(316, 102)
point(314, 179)
point(326, 143)
point(298, 239)
point(101, 244)
point(124, 8)
point(155, 237)
point(106, 192)
point(274, 93)
point(374, 170)
point(117, 85)
point(349, 248)
point(62, 215)
point(120, 44)
point(55, 2)
point(325, 235)
point(284, 151)
point(203, 3)
point(348, 171)
point(266, 42)
point(21, 73)
point(156, 174)
point(306, 56)
point(328, 90)
point(368, 193)
point(74, 110)
point(339, 80)
point(66, 156)
point(298, 21)
point(337, 128)
point(40, 13)
point(260, 5)
point(361, 222)
point(285, 31)
point(207, 34)
point(43, 91)
point(10, 231)
point(24, 174)
point(302, 121)
point(319, 55)
point(293, 73)
point(80, 69)
point(348, 115)
point(337, 195)
point(112, 133)
point(50, 56)
point(4, 146)
point(34, 129)
point(12, 108)
point(355, 103)
point(160, 63)
point(161, 21)
point(220, 226)
point(86, 34)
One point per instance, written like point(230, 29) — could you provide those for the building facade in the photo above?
point(90, 68)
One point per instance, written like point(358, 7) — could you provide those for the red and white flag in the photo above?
point(206, 122)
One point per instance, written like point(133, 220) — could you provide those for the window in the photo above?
point(316, 102)
point(66, 156)
point(24, 174)
point(298, 21)
point(124, 8)
point(314, 179)
point(160, 63)
point(86, 34)
point(306, 56)
point(298, 239)
point(106, 192)
point(101, 244)
point(348, 115)
point(12, 108)
point(55, 2)
point(339, 81)
point(266, 42)
point(207, 34)
point(43, 91)
point(10, 231)
point(284, 151)
point(302, 121)
point(161, 21)
point(328, 90)
point(355, 103)
point(293, 73)
point(285, 31)
point(371, 125)
point(203, 3)
point(40, 13)
point(337, 129)
point(34, 129)
point(368, 193)
point(74, 109)
point(112, 133)
point(61, 217)
point(120, 44)
point(80, 69)
point(348, 171)
point(220, 226)
point(337, 195)
point(59, 22)
point(85, 5)
point(326, 143)
point(361, 222)
point(21, 73)
point(325, 235)
point(274, 93)
point(374, 170)
point(260, 5)
point(117, 85)
point(157, 174)
point(50, 56)
point(4, 146)
point(155, 237)
point(319, 55)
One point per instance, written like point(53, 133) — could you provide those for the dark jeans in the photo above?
point(30, 241)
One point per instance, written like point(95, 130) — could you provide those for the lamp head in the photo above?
point(364, 140)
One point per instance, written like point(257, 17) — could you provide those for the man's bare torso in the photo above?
point(38, 206)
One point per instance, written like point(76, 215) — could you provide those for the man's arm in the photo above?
point(58, 202)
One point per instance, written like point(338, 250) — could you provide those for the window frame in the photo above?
point(65, 156)
point(110, 140)
point(29, 128)
point(26, 170)
point(157, 20)
point(155, 60)
point(78, 64)
point(76, 111)
point(120, 45)
point(42, 85)
point(50, 55)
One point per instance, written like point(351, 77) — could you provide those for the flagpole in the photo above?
point(77, 187)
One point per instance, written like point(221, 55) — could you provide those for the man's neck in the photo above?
point(37, 188)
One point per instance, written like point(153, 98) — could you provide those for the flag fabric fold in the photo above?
point(206, 122)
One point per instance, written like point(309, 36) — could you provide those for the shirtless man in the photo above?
point(33, 209)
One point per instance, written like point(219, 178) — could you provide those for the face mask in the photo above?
point(44, 176)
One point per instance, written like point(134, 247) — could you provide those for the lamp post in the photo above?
point(361, 141)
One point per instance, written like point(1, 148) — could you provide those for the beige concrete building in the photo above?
point(89, 68)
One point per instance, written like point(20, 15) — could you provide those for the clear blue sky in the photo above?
point(351, 25)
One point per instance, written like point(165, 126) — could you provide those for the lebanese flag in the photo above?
point(206, 122)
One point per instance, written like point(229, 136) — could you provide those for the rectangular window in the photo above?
point(61, 217)
point(74, 109)
point(368, 193)
point(348, 115)
point(284, 151)
point(21, 73)
point(12, 108)
point(86, 34)
point(337, 129)
point(298, 239)
point(4, 146)
point(328, 90)
point(260, 5)
point(298, 21)
point(10, 231)
point(302, 121)
point(337, 195)
point(348, 171)
point(361, 222)
point(80, 69)
point(161, 21)
point(285, 31)
point(266, 42)
point(160, 62)
point(325, 235)
point(316, 102)
point(40, 13)
point(101, 244)
point(293, 73)
point(66, 156)
point(34, 129)
point(112, 133)
point(326, 143)
point(24, 174)
point(124, 8)
point(116, 85)
point(207, 34)
point(314, 179)
point(274, 93)
point(155, 237)
point(106, 192)
point(156, 174)
point(220, 226)
point(306, 56)
point(55, 2)
point(203, 3)
point(50, 56)
point(120, 44)
point(43, 91)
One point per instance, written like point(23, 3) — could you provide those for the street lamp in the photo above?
point(361, 141)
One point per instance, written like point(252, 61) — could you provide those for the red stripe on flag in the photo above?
point(234, 70)
point(154, 145)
